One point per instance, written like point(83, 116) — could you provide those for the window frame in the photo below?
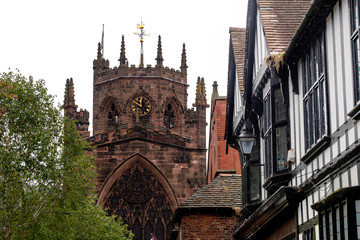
point(315, 96)
point(355, 39)
point(344, 199)
point(270, 127)
point(329, 214)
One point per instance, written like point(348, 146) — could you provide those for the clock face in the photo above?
point(141, 106)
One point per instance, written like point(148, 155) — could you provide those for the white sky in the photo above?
point(56, 40)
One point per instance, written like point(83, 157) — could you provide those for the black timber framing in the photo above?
point(284, 199)
point(313, 20)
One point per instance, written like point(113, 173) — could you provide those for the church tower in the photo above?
point(150, 147)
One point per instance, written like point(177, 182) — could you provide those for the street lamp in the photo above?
point(246, 138)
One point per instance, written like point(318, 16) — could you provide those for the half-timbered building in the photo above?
point(301, 105)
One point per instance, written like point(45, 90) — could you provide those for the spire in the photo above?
point(200, 99)
point(183, 61)
point(99, 54)
point(159, 58)
point(69, 98)
point(122, 59)
point(215, 91)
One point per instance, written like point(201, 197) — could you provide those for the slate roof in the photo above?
point(238, 41)
point(223, 192)
point(281, 19)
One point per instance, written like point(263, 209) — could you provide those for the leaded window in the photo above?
point(254, 182)
point(309, 234)
point(275, 131)
point(355, 27)
point(315, 93)
point(140, 200)
point(334, 222)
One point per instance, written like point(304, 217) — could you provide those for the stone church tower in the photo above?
point(150, 148)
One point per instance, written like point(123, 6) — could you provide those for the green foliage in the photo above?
point(46, 176)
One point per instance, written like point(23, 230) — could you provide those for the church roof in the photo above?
point(223, 192)
point(281, 19)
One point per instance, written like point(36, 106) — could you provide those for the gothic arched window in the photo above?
point(112, 117)
point(138, 197)
point(169, 117)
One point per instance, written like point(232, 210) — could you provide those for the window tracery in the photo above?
point(169, 117)
point(113, 117)
point(140, 200)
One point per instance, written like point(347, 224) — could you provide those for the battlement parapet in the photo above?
point(191, 115)
point(103, 74)
point(138, 132)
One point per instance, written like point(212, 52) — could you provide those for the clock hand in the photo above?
point(139, 104)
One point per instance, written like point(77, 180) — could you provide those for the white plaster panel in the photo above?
point(308, 171)
point(310, 202)
point(315, 166)
point(335, 151)
point(300, 236)
point(303, 177)
point(336, 183)
point(328, 189)
point(317, 232)
point(316, 196)
point(304, 206)
point(322, 192)
point(342, 143)
point(345, 179)
point(338, 80)
point(354, 176)
point(348, 83)
point(299, 215)
point(321, 161)
point(351, 135)
point(300, 116)
point(330, 73)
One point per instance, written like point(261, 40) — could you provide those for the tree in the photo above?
point(46, 171)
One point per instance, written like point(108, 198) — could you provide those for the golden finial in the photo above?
point(141, 35)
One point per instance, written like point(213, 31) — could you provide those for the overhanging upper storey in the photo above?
point(271, 25)
point(235, 106)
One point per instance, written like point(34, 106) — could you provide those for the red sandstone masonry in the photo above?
point(179, 153)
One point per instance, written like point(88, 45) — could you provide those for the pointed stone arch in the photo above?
point(109, 109)
point(173, 99)
point(107, 102)
point(172, 111)
point(139, 193)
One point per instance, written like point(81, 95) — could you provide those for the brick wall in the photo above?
point(206, 226)
point(218, 159)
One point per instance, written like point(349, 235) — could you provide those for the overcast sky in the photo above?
point(56, 40)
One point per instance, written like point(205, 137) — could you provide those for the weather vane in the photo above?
point(141, 35)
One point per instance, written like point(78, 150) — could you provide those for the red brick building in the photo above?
point(220, 159)
point(150, 147)
point(212, 212)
